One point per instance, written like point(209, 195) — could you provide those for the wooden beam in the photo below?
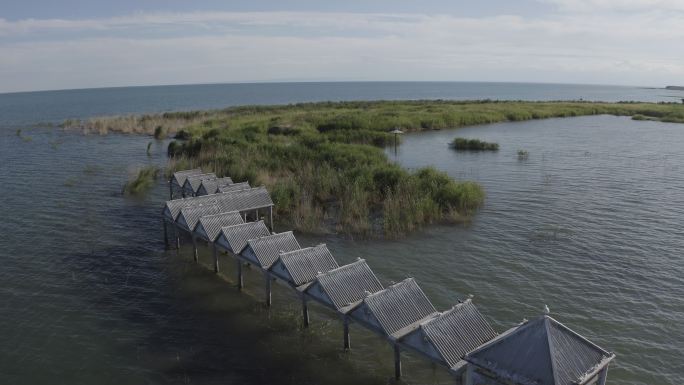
point(270, 213)
point(305, 312)
point(216, 261)
point(194, 248)
point(240, 282)
point(177, 230)
point(268, 288)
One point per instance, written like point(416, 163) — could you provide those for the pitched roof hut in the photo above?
point(192, 182)
point(189, 216)
point(179, 177)
point(211, 186)
point(541, 352)
point(447, 337)
point(234, 238)
point(234, 187)
point(343, 288)
point(302, 266)
point(210, 226)
point(394, 311)
point(264, 251)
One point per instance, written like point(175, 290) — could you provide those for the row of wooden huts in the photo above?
point(228, 217)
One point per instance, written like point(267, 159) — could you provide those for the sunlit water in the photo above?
point(590, 224)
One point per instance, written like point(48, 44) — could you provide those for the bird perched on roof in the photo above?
point(546, 309)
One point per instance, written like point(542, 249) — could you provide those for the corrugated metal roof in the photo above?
point(191, 215)
point(179, 177)
point(234, 187)
point(243, 200)
point(304, 265)
point(267, 249)
point(399, 306)
point(238, 235)
point(349, 284)
point(194, 181)
point(212, 224)
point(456, 332)
point(211, 186)
point(542, 351)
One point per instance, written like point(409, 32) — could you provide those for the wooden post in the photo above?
point(397, 362)
point(166, 235)
point(305, 312)
point(270, 213)
point(244, 216)
point(468, 375)
point(347, 346)
point(268, 288)
point(177, 238)
point(240, 282)
point(216, 261)
point(603, 376)
point(194, 248)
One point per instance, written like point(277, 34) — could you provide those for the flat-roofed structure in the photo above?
point(447, 337)
point(538, 352)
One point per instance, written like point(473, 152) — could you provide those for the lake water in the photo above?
point(590, 224)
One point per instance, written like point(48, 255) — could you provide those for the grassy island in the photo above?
point(324, 163)
point(464, 144)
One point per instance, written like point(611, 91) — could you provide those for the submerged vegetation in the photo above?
point(324, 164)
point(142, 181)
point(463, 144)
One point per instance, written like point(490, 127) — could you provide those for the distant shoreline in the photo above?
point(675, 88)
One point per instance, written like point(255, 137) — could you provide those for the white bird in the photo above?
point(546, 309)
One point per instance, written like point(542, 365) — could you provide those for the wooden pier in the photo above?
point(226, 215)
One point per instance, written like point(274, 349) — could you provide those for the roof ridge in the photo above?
point(391, 287)
point(216, 215)
point(269, 236)
point(242, 224)
point(551, 347)
point(347, 266)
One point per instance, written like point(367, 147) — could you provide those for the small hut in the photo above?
point(189, 216)
point(210, 226)
point(301, 266)
point(234, 238)
point(447, 337)
point(211, 186)
point(343, 288)
point(541, 352)
point(178, 180)
point(263, 251)
point(193, 182)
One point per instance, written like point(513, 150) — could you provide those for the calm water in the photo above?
point(591, 224)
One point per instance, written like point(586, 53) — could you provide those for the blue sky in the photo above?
point(80, 44)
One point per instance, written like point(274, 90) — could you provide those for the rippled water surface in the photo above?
point(590, 224)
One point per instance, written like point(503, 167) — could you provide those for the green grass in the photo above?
point(324, 164)
point(142, 182)
point(464, 144)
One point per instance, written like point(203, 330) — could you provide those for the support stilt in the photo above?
point(397, 362)
point(347, 345)
point(170, 190)
point(166, 235)
point(305, 312)
point(194, 248)
point(270, 213)
point(216, 261)
point(240, 282)
point(268, 289)
point(177, 231)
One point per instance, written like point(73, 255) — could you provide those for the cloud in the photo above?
point(172, 48)
point(617, 5)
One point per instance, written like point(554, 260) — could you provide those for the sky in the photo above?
point(66, 44)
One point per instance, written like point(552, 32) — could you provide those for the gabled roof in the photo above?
point(234, 187)
point(396, 309)
point(452, 334)
point(235, 237)
point(346, 285)
point(189, 216)
point(210, 225)
point(211, 186)
point(302, 266)
point(249, 199)
point(543, 352)
point(193, 182)
point(243, 200)
point(179, 177)
point(267, 249)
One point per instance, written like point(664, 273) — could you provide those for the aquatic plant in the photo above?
point(142, 182)
point(149, 149)
point(523, 154)
point(160, 132)
point(463, 144)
